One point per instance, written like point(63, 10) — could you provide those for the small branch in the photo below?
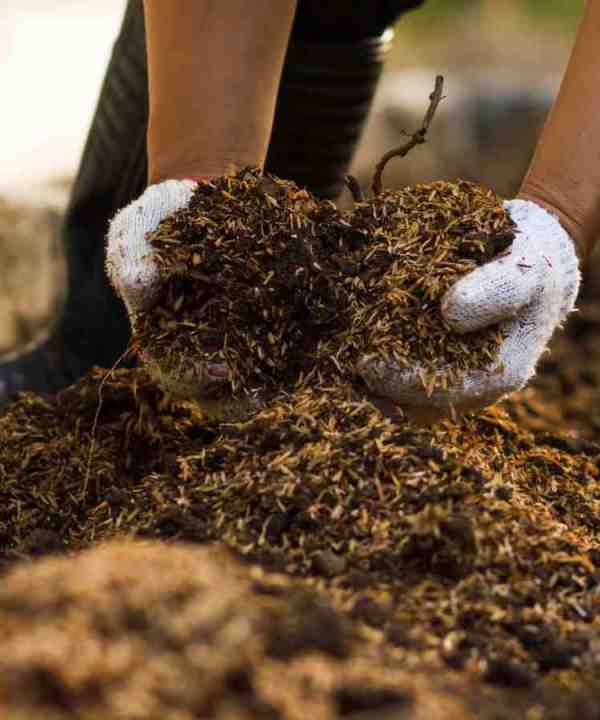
point(435, 99)
point(355, 189)
point(417, 138)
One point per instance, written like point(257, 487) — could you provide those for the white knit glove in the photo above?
point(530, 288)
point(134, 275)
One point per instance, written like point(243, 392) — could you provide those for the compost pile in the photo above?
point(259, 275)
point(149, 631)
point(317, 559)
point(447, 565)
point(565, 393)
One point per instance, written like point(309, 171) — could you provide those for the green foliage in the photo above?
point(559, 10)
point(563, 13)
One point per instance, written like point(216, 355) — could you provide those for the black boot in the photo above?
point(93, 328)
point(332, 66)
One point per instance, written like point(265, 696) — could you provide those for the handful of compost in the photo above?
point(226, 295)
point(440, 297)
point(479, 335)
point(524, 292)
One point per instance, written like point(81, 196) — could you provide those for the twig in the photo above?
point(355, 189)
point(417, 138)
point(97, 417)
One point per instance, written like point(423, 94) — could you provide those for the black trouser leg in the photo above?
point(325, 96)
point(93, 328)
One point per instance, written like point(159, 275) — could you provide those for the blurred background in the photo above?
point(502, 62)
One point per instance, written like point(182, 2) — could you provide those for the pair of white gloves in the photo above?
point(530, 288)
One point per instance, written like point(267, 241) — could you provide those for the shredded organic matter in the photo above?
point(287, 292)
point(389, 568)
point(351, 566)
point(421, 240)
point(259, 275)
point(473, 542)
point(241, 282)
point(142, 630)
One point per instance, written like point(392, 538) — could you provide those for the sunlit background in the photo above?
point(53, 57)
point(54, 53)
point(502, 62)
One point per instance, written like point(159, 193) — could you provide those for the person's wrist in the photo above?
point(193, 171)
point(581, 240)
point(183, 177)
point(193, 158)
point(159, 174)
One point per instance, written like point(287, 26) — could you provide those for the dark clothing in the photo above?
point(346, 21)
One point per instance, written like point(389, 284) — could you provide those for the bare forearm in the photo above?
point(214, 68)
point(565, 173)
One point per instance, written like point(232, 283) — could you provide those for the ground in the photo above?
point(315, 557)
point(318, 561)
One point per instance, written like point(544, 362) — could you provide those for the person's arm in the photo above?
point(532, 287)
point(214, 68)
point(564, 176)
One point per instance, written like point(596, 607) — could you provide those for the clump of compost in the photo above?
point(246, 281)
point(420, 241)
point(260, 276)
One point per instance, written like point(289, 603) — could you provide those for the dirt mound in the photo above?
point(350, 567)
point(470, 545)
point(136, 631)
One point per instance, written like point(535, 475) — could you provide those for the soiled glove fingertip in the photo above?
point(129, 261)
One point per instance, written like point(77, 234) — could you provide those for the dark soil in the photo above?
point(453, 567)
point(317, 560)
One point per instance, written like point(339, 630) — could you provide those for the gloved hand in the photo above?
point(135, 276)
point(530, 288)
